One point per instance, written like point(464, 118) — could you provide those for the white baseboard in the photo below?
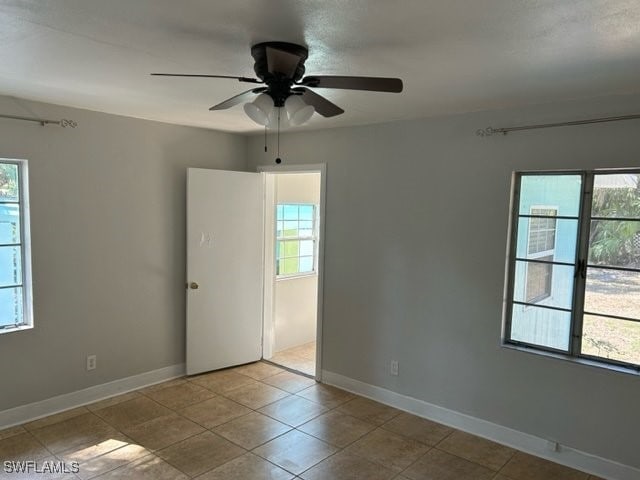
point(519, 440)
point(43, 408)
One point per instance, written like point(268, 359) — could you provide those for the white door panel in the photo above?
point(224, 258)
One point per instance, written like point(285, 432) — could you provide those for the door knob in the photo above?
point(194, 286)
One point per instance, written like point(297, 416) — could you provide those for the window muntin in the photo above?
point(582, 296)
point(15, 271)
point(296, 239)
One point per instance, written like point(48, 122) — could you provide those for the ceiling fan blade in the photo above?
point(323, 106)
point(280, 61)
point(376, 84)
point(241, 79)
point(240, 98)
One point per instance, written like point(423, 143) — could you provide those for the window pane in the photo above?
point(613, 292)
point(541, 326)
point(615, 243)
point(306, 248)
point(288, 266)
point(544, 284)
point(611, 338)
point(290, 229)
point(562, 192)
point(291, 248)
point(10, 266)
point(306, 264)
point(279, 229)
point(306, 224)
point(306, 212)
point(9, 223)
point(290, 212)
point(279, 212)
point(11, 306)
point(562, 242)
point(8, 183)
point(616, 195)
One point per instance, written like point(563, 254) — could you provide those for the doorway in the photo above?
point(294, 213)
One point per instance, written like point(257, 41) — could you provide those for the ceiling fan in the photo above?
point(280, 69)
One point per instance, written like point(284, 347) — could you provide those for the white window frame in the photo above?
point(25, 247)
point(313, 237)
point(574, 352)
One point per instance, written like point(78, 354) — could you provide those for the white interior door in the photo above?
point(224, 268)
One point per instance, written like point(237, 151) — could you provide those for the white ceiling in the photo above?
point(453, 55)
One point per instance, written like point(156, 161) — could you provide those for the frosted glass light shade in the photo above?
point(260, 109)
point(298, 111)
point(272, 121)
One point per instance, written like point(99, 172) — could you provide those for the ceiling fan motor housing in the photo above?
point(279, 65)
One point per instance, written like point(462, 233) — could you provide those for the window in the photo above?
point(296, 239)
point(15, 264)
point(574, 266)
point(541, 246)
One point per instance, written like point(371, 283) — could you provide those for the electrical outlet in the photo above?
point(394, 368)
point(91, 362)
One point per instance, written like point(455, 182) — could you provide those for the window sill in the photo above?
point(295, 277)
point(18, 328)
point(577, 360)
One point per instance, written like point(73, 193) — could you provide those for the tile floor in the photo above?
point(260, 422)
point(301, 358)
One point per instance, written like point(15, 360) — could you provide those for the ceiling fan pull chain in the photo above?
point(278, 159)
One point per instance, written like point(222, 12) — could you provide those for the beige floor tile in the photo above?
point(147, 468)
point(161, 432)
point(326, 395)
point(214, 412)
point(56, 418)
point(180, 395)
point(337, 428)
point(88, 453)
point(256, 395)
point(295, 451)
point(77, 432)
point(252, 430)
point(247, 467)
point(344, 466)
point(484, 452)
point(11, 431)
point(417, 428)
point(293, 410)
point(109, 402)
point(201, 453)
point(388, 449)
point(289, 382)
point(368, 410)
point(162, 385)
point(222, 381)
point(258, 370)
point(526, 467)
point(439, 465)
point(22, 447)
point(132, 412)
point(110, 460)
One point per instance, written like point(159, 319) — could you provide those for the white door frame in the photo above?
point(269, 280)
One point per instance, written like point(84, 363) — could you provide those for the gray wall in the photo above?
point(108, 229)
point(416, 226)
